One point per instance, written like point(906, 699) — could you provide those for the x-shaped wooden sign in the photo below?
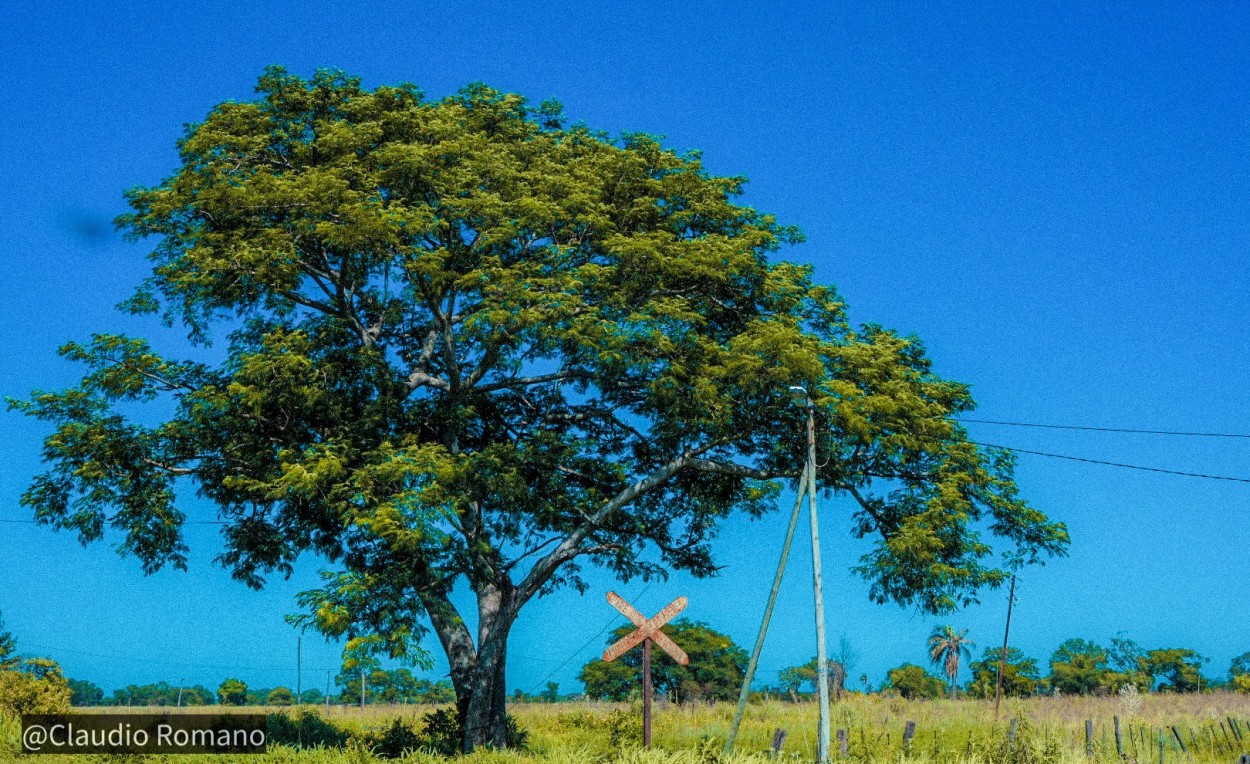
point(648, 628)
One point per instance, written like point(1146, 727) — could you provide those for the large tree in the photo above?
point(913, 682)
point(1179, 668)
point(1078, 667)
point(467, 341)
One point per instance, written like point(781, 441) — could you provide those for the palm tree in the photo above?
point(945, 647)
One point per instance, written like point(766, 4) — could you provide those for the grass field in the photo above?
point(1050, 731)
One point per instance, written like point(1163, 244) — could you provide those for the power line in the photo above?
point(155, 662)
point(1087, 428)
point(1106, 463)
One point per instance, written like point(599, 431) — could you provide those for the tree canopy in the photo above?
point(466, 340)
point(1077, 667)
point(232, 692)
point(1178, 668)
point(1021, 678)
point(914, 682)
point(1240, 666)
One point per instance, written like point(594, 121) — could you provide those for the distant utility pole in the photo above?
point(299, 669)
point(327, 692)
point(181, 682)
point(1002, 658)
point(362, 688)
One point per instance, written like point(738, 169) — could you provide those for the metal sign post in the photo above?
point(647, 633)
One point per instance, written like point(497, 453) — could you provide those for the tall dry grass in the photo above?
point(1049, 731)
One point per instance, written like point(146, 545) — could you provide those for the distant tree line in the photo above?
point(381, 686)
point(717, 666)
point(37, 685)
point(1077, 667)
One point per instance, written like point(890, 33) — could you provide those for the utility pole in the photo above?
point(327, 692)
point(800, 395)
point(362, 688)
point(1002, 658)
point(299, 669)
point(822, 659)
point(181, 682)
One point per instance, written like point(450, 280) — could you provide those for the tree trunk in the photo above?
point(478, 672)
point(482, 704)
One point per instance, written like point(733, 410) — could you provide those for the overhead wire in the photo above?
point(1090, 428)
point(1106, 463)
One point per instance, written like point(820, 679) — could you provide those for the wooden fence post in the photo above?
point(909, 731)
point(1119, 745)
point(1181, 742)
point(779, 739)
point(1011, 731)
point(842, 741)
point(1089, 737)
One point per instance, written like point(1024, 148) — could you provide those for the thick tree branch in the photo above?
point(452, 633)
point(540, 379)
point(421, 379)
point(571, 546)
point(730, 468)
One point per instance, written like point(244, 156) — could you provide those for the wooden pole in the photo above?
point(779, 740)
point(1089, 737)
point(1002, 657)
point(1119, 745)
point(646, 693)
point(1177, 734)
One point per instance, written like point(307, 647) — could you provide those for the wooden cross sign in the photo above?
point(648, 631)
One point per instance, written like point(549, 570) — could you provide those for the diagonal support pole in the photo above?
point(768, 614)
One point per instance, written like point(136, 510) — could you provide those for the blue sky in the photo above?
point(1052, 198)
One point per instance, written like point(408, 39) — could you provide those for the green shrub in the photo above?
point(395, 741)
point(305, 730)
point(36, 687)
point(625, 728)
point(443, 732)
